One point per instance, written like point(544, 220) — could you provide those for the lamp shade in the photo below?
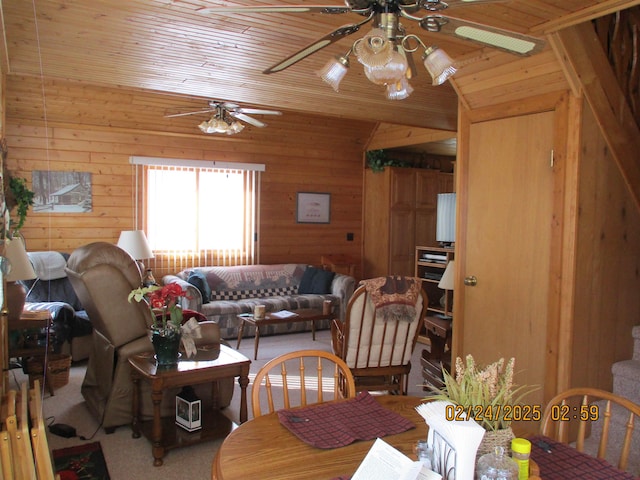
point(438, 64)
point(135, 243)
point(20, 267)
point(446, 282)
point(334, 71)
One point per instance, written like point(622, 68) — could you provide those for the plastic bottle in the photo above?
point(520, 452)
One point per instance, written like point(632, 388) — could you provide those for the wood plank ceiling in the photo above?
point(167, 46)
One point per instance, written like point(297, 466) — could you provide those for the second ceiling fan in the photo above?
point(225, 117)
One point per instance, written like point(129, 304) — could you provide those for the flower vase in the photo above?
point(166, 343)
point(493, 439)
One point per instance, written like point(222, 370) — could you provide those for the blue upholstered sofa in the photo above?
point(221, 293)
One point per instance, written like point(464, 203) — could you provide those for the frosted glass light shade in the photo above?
point(216, 125)
point(438, 64)
point(334, 71)
point(391, 72)
point(399, 90)
point(374, 49)
point(135, 243)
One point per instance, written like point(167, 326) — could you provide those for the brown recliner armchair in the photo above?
point(102, 276)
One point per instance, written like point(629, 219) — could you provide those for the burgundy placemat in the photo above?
point(336, 424)
point(566, 463)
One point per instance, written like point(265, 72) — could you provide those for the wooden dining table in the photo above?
point(263, 448)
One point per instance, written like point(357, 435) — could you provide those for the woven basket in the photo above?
point(58, 369)
point(493, 439)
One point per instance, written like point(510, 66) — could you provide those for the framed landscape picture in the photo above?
point(313, 207)
point(61, 192)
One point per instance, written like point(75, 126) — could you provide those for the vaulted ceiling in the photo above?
point(169, 46)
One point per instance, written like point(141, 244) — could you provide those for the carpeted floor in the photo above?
point(130, 459)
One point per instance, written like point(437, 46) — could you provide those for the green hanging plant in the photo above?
point(21, 198)
point(377, 160)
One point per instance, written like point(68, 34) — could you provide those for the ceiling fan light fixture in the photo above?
point(438, 64)
point(391, 72)
point(399, 90)
point(374, 49)
point(334, 71)
point(216, 125)
point(235, 127)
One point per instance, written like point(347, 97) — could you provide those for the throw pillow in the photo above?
point(199, 280)
point(316, 281)
point(306, 280)
point(321, 283)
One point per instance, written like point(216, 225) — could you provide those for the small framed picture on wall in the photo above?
point(313, 207)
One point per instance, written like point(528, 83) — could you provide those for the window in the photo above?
point(199, 213)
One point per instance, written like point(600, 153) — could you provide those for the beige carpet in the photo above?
point(130, 459)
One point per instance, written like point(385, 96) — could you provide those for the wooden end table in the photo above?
point(210, 364)
point(303, 315)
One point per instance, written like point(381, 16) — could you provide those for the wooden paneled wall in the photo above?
point(56, 125)
point(608, 264)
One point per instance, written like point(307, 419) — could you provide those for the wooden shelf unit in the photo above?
point(431, 271)
point(430, 264)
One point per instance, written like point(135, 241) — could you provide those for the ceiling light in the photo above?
point(334, 71)
point(399, 90)
point(382, 52)
point(217, 125)
point(438, 64)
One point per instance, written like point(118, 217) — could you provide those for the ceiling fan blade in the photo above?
point(257, 111)
point(457, 3)
point(277, 9)
point(506, 40)
point(190, 113)
point(246, 118)
point(319, 44)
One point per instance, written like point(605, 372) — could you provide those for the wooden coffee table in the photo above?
point(303, 315)
point(209, 365)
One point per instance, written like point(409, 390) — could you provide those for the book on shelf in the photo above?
point(434, 258)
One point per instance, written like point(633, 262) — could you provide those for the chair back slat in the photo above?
point(604, 438)
point(308, 387)
point(558, 429)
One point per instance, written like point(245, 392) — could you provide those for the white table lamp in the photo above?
point(446, 282)
point(19, 268)
point(135, 243)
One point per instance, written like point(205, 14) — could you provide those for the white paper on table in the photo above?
point(384, 462)
point(283, 314)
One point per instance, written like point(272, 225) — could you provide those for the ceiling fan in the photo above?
point(225, 117)
point(386, 51)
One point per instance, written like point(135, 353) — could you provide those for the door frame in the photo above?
point(562, 264)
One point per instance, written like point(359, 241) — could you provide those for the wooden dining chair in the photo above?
point(572, 414)
point(304, 377)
